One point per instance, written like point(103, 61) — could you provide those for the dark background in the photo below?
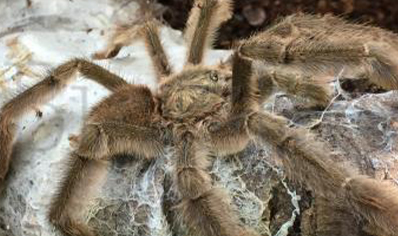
point(253, 15)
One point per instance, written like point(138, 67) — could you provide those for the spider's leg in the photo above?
point(154, 46)
point(232, 136)
point(121, 37)
point(376, 201)
point(100, 139)
point(328, 48)
point(229, 137)
point(86, 172)
point(308, 162)
point(43, 92)
point(244, 89)
point(204, 209)
point(121, 124)
point(124, 121)
point(295, 83)
point(80, 182)
point(330, 217)
point(149, 31)
point(314, 89)
point(204, 20)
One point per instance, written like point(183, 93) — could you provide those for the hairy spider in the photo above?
point(217, 109)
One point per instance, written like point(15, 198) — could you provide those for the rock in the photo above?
point(254, 15)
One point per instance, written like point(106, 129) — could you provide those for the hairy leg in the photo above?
point(294, 82)
point(308, 162)
point(121, 37)
point(327, 45)
point(80, 182)
point(231, 136)
point(87, 167)
point(99, 140)
point(205, 18)
point(117, 125)
point(127, 120)
point(330, 218)
point(376, 201)
point(42, 93)
point(204, 209)
point(244, 88)
point(316, 92)
point(149, 31)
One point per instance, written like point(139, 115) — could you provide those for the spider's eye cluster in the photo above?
point(214, 76)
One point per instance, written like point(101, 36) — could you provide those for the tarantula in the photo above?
point(217, 109)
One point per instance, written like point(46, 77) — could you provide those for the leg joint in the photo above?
point(193, 182)
point(93, 142)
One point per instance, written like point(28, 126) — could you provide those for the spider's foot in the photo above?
point(93, 142)
point(109, 52)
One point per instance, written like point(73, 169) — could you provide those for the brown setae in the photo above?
point(204, 110)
